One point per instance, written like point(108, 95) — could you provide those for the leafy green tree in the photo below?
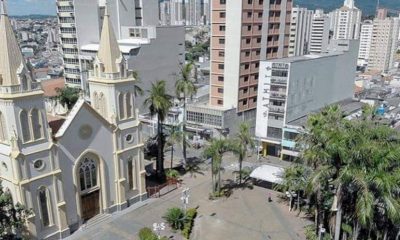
point(175, 137)
point(12, 217)
point(159, 103)
point(185, 88)
point(243, 141)
point(68, 96)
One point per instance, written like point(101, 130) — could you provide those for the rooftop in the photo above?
point(305, 57)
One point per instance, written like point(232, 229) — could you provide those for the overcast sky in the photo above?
point(25, 7)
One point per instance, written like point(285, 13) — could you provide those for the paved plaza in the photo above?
point(246, 214)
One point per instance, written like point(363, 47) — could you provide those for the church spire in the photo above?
point(12, 63)
point(109, 53)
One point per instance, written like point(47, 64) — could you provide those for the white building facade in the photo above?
point(70, 170)
point(365, 42)
point(300, 30)
point(319, 36)
point(347, 21)
point(290, 88)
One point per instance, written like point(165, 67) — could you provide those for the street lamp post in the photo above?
point(158, 227)
point(185, 198)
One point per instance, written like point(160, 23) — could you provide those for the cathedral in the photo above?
point(69, 170)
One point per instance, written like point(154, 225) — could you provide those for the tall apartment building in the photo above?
point(185, 12)
point(347, 21)
point(300, 29)
point(384, 44)
point(80, 24)
point(290, 88)
point(365, 42)
point(319, 36)
point(242, 34)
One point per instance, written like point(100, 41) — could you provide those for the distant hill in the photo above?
point(367, 6)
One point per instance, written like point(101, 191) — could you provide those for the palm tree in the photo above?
point(243, 141)
point(175, 136)
point(137, 91)
point(185, 88)
point(215, 150)
point(159, 103)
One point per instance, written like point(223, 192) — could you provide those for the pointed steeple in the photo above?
point(109, 53)
point(12, 63)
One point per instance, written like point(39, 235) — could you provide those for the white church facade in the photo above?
point(69, 170)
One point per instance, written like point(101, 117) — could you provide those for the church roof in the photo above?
point(80, 104)
point(109, 53)
point(11, 59)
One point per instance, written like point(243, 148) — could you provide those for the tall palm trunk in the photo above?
point(172, 155)
point(184, 129)
point(356, 230)
point(338, 221)
point(240, 169)
point(160, 146)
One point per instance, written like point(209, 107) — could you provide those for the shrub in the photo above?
point(175, 217)
point(190, 216)
point(147, 234)
point(172, 173)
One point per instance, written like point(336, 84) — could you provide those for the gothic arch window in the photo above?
point(132, 180)
point(24, 82)
point(36, 122)
point(96, 70)
point(128, 99)
point(122, 69)
point(3, 128)
point(26, 135)
point(102, 105)
point(121, 106)
point(88, 174)
point(95, 101)
point(44, 206)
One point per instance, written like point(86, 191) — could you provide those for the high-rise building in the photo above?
point(384, 44)
point(80, 24)
point(172, 12)
point(319, 36)
point(290, 88)
point(185, 12)
point(365, 42)
point(300, 30)
point(63, 168)
point(347, 21)
point(239, 43)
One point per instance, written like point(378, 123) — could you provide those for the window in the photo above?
point(221, 41)
point(258, 40)
point(246, 66)
point(260, 14)
point(3, 128)
point(220, 102)
point(247, 53)
point(130, 173)
point(222, 1)
point(221, 54)
point(38, 164)
point(44, 203)
point(128, 99)
point(25, 126)
point(102, 105)
point(250, 1)
point(88, 174)
point(95, 101)
point(246, 79)
point(244, 102)
point(222, 14)
point(222, 28)
point(248, 40)
point(220, 90)
point(220, 78)
point(36, 124)
point(121, 106)
point(221, 66)
point(249, 28)
point(129, 138)
point(259, 27)
point(249, 14)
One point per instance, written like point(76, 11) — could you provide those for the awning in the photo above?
point(268, 173)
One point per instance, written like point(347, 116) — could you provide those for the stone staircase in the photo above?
point(100, 218)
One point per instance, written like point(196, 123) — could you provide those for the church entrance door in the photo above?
point(90, 205)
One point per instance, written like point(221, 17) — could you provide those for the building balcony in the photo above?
point(34, 86)
point(277, 95)
point(277, 109)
